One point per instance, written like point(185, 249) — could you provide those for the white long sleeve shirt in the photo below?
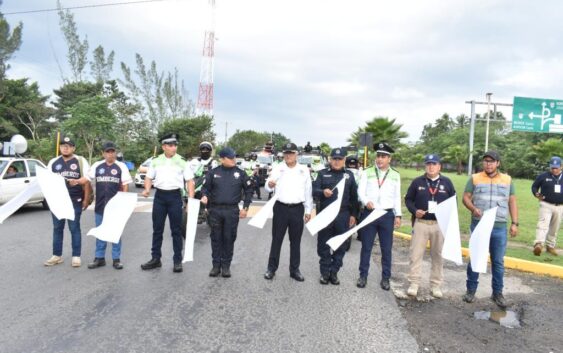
point(385, 194)
point(293, 185)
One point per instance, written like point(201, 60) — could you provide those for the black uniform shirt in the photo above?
point(108, 183)
point(420, 192)
point(69, 170)
point(223, 186)
point(328, 178)
point(545, 184)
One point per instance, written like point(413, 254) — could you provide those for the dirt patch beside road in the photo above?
point(449, 325)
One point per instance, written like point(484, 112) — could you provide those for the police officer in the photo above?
point(379, 188)
point(168, 172)
point(205, 161)
point(324, 189)
point(547, 189)
point(222, 193)
point(255, 174)
point(109, 176)
point(292, 185)
point(74, 169)
point(423, 196)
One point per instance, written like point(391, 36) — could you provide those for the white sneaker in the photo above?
point(54, 260)
point(76, 261)
point(413, 290)
point(436, 292)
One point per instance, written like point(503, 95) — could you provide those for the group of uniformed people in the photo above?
point(375, 188)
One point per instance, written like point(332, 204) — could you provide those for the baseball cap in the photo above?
point(555, 162)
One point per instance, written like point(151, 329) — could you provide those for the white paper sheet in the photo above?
point(448, 221)
point(53, 187)
point(260, 218)
point(116, 214)
point(193, 212)
point(18, 201)
point(326, 216)
point(479, 241)
point(338, 240)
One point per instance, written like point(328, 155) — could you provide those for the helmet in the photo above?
point(352, 161)
point(205, 145)
point(280, 154)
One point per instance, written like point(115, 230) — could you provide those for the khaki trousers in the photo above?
point(549, 221)
point(425, 231)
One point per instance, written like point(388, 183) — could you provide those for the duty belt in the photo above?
point(168, 191)
point(290, 204)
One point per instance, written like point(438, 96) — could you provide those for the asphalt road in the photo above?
point(65, 309)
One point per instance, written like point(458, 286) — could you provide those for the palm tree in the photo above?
point(382, 129)
point(456, 154)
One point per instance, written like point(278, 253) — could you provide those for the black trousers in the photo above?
point(167, 203)
point(331, 261)
point(286, 218)
point(224, 224)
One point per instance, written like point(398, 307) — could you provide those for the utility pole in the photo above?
point(488, 119)
point(205, 93)
point(226, 127)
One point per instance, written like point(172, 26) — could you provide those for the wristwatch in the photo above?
point(515, 223)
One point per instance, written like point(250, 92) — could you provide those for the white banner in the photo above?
point(448, 221)
point(260, 218)
point(116, 214)
point(338, 240)
point(326, 216)
point(53, 187)
point(480, 239)
point(193, 212)
point(18, 201)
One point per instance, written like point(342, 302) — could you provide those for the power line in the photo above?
point(83, 7)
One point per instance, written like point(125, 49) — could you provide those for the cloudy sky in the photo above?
point(317, 70)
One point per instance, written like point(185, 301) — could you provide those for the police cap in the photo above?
point(289, 147)
point(383, 147)
point(337, 153)
point(227, 152)
point(170, 138)
point(431, 158)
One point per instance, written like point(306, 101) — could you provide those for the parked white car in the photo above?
point(15, 175)
point(142, 172)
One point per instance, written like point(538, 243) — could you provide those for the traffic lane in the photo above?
point(79, 310)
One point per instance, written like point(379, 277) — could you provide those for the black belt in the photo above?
point(290, 204)
point(554, 204)
point(223, 205)
point(168, 191)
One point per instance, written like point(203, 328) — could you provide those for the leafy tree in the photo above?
point(544, 150)
point(91, 122)
point(247, 140)
point(10, 41)
point(325, 148)
point(100, 66)
point(278, 139)
point(71, 93)
point(192, 132)
point(77, 54)
point(162, 97)
point(456, 154)
point(382, 129)
point(25, 108)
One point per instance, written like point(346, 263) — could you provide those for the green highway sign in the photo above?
point(537, 115)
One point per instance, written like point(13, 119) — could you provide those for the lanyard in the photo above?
point(432, 191)
point(558, 179)
point(380, 182)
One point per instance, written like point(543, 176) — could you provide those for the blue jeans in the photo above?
point(383, 227)
point(74, 227)
point(497, 249)
point(101, 245)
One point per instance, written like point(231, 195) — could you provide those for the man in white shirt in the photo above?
point(170, 173)
point(379, 188)
point(291, 183)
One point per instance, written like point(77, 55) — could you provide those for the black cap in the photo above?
point(67, 141)
point(289, 147)
point(109, 146)
point(170, 138)
point(227, 152)
point(338, 153)
point(492, 154)
point(351, 160)
point(383, 147)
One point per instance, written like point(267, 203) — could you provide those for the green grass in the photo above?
point(527, 215)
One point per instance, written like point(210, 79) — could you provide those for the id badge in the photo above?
point(432, 206)
point(557, 188)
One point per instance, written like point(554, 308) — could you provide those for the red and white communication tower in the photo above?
point(205, 93)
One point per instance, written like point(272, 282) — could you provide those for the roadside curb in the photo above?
point(512, 262)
